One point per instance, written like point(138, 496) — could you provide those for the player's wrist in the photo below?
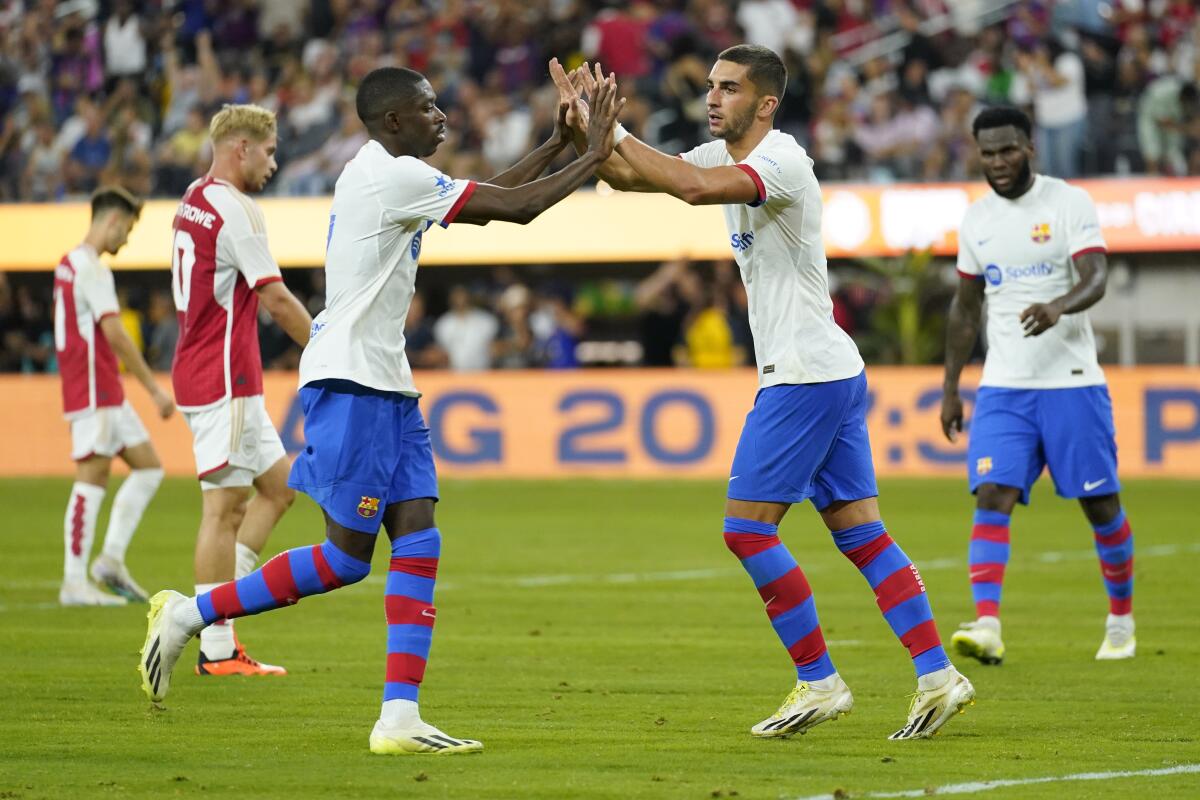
point(619, 134)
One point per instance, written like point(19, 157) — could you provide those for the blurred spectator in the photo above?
point(90, 155)
point(12, 329)
point(179, 159)
point(1166, 112)
point(466, 333)
point(557, 330)
point(318, 172)
point(664, 300)
point(515, 347)
point(419, 345)
point(43, 176)
point(124, 43)
point(1056, 82)
point(163, 325)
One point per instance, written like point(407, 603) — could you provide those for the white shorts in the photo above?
point(106, 432)
point(234, 442)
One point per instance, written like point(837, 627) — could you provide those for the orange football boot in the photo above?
point(240, 663)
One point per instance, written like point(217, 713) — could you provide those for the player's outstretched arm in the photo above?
point(524, 203)
point(123, 346)
point(1093, 278)
point(962, 331)
point(286, 310)
point(536, 162)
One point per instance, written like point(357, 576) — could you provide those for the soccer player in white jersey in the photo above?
point(88, 336)
point(221, 269)
point(1033, 249)
point(806, 436)
point(368, 458)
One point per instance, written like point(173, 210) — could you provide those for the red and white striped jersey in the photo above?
point(84, 294)
point(218, 258)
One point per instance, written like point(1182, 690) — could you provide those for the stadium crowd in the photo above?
point(99, 91)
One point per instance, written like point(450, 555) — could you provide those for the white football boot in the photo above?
point(980, 640)
point(114, 576)
point(806, 707)
point(932, 708)
point(165, 640)
point(1119, 641)
point(418, 739)
point(85, 593)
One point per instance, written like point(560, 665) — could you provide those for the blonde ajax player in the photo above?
point(221, 270)
point(89, 337)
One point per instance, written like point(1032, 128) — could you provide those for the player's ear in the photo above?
point(767, 105)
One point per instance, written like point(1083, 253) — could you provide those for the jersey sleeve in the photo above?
point(95, 282)
point(704, 155)
point(1083, 225)
point(242, 241)
point(413, 190)
point(778, 172)
point(968, 264)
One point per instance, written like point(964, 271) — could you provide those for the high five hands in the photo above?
point(578, 91)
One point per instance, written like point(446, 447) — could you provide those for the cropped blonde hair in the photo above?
point(253, 121)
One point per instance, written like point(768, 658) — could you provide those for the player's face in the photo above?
point(732, 101)
point(259, 165)
point(119, 226)
point(1005, 155)
point(421, 125)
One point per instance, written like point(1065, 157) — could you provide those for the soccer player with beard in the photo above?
point(1033, 249)
point(368, 458)
point(806, 436)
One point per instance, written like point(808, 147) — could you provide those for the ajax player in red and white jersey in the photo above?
point(88, 337)
point(221, 267)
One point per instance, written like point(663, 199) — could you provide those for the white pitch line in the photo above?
point(975, 787)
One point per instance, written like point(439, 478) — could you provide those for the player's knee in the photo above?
point(993, 497)
point(1101, 510)
point(346, 567)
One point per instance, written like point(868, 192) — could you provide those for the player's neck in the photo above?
point(1024, 190)
point(744, 146)
point(394, 147)
point(229, 173)
point(95, 240)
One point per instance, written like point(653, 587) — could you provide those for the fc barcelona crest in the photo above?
point(369, 507)
point(982, 467)
point(1041, 233)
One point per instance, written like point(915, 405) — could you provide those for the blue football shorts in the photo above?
point(365, 449)
point(1015, 433)
point(804, 441)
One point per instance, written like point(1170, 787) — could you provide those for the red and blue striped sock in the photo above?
point(899, 592)
point(987, 557)
point(1114, 546)
point(408, 602)
point(282, 581)
point(786, 592)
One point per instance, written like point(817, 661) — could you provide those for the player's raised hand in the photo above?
point(604, 109)
point(952, 414)
point(1039, 318)
point(574, 116)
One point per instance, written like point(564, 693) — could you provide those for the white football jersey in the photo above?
point(1023, 250)
point(778, 247)
point(382, 206)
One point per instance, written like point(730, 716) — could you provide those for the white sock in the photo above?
point(400, 714)
point(132, 498)
point(989, 622)
point(826, 684)
point(1122, 621)
point(934, 680)
point(216, 641)
point(187, 615)
point(247, 560)
point(79, 528)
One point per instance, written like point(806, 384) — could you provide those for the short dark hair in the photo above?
point(107, 198)
point(1000, 117)
point(767, 72)
point(383, 89)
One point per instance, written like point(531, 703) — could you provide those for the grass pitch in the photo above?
point(602, 643)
